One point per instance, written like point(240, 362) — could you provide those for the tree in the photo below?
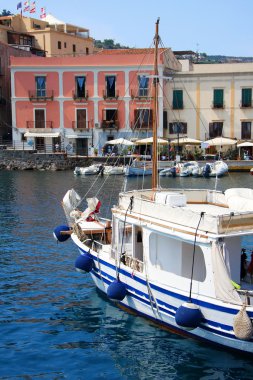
point(108, 44)
point(5, 13)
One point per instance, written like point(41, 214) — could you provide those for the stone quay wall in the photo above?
point(29, 160)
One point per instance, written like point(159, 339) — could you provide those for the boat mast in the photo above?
point(155, 113)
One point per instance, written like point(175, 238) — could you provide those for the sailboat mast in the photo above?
point(155, 113)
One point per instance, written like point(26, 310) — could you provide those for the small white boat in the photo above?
point(215, 169)
point(114, 170)
point(89, 170)
point(138, 168)
point(185, 169)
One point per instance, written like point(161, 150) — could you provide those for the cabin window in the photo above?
point(177, 99)
point(143, 85)
point(218, 101)
point(74, 48)
point(87, 51)
point(65, 45)
point(215, 129)
point(246, 130)
point(174, 256)
point(59, 44)
point(246, 97)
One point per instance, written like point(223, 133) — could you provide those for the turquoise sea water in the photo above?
point(53, 322)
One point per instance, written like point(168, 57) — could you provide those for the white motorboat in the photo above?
point(171, 255)
point(114, 170)
point(89, 170)
point(215, 169)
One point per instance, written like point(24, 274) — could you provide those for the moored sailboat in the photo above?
point(171, 255)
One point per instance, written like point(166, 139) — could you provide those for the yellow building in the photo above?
point(50, 35)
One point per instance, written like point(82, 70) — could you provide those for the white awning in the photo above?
point(31, 134)
point(78, 137)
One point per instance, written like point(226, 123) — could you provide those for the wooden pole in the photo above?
point(155, 113)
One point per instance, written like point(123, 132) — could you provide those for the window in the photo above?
point(110, 118)
point(74, 48)
point(0, 66)
point(177, 99)
point(143, 85)
point(65, 45)
point(40, 83)
point(165, 120)
point(110, 83)
point(80, 86)
point(177, 128)
point(246, 130)
point(81, 118)
point(59, 44)
point(39, 115)
point(218, 101)
point(87, 51)
point(215, 129)
point(246, 97)
point(143, 118)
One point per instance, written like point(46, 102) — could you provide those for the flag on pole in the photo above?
point(19, 5)
point(33, 7)
point(26, 6)
point(43, 12)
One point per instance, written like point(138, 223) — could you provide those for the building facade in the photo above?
point(47, 37)
point(210, 100)
point(6, 52)
point(86, 101)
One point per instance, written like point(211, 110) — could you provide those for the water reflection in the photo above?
point(54, 323)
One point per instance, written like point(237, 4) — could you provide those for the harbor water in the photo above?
point(54, 324)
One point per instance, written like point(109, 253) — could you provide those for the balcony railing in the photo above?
point(81, 125)
point(110, 124)
point(41, 95)
point(141, 93)
point(216, 105)
point(246, 104)
point(40, 126)
point(80, 97)
point(109, 96)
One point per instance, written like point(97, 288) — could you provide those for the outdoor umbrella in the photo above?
point(149, 141)
point(244, 144)
point(120, 141)
point(220, 141)
point(185, 141)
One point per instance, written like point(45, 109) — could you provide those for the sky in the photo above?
point(207, 26)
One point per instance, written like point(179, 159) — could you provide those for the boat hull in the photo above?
point(160, 304)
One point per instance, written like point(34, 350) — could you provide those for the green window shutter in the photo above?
point(218, 98)
point(177, 99)
point(246, 97)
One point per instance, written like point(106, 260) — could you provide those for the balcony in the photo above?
point(216, 105)
point(41, 95)
point(246, 104)
point(110, 96)
point(81, 126)
point(80, 97)
point(110, 125)
point(141, 94)
point(39, 126)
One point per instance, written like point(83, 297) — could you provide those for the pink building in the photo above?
point(85, 101)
